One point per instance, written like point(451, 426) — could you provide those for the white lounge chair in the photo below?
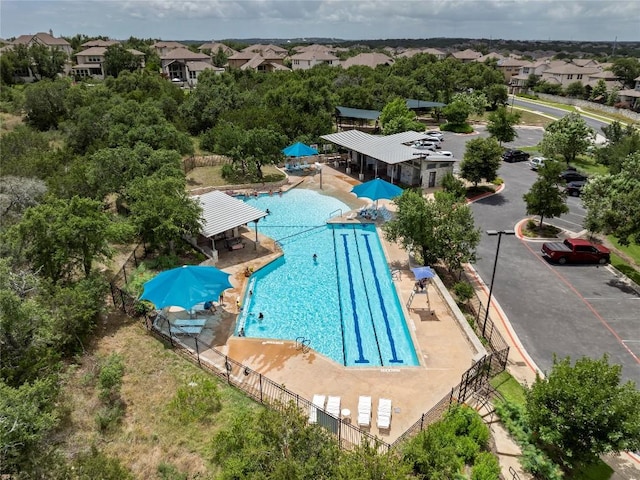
point(317, 403)
point(384, 414)
point(364, 411)
point(333, 406)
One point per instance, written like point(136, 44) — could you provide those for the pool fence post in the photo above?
point(197, 351)
point(170, 335)
point(260, 379)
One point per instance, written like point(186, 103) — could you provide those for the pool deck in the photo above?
point(442, 344)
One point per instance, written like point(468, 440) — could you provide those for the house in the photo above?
point(630, 98)
point(214, 47)
point(183, 66)
point(410, 52)
point(371, 60)
point(466, 56)
point(163, 48)
point(518, 83)
point(99, 43)
point(489, 56)
point(510, 67)
point(267, 51)
point(262, 62)
point(567, 74)
point(311, 58)
point(46, 39)
point(393, 156)
point(90, 62)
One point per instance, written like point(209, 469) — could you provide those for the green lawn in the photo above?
point(509, 388)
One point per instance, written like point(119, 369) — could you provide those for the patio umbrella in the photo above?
point(377, 189)
point(423, 272)
point(299, 150)
point(185, 286)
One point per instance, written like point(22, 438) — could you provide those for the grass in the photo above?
point(596, 471)
point(509, 388)
point(150, 435)
point(212, 176)
point(532, 230)
point(625, 268)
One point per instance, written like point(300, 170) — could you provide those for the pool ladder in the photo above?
point(303, 344)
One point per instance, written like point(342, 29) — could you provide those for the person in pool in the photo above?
point(315, 258)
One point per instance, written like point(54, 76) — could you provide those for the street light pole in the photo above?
point(499, 233)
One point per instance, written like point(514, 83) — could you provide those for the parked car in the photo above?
point(536, 162)
point(424, 145)
point(441, 153)
point(433, 138)
point(575, 188)
point(572, 176)
point(435, 133)
point(511, 156)
point(576, 250)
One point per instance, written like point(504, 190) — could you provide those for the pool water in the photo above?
point(343, 301)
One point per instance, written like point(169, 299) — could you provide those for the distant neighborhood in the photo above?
point(183, 63)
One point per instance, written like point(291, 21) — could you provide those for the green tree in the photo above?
point(46, 62)
point(438, 228)
point(457, 112)
point(453, 185)
point(501, 125)
point(45, 103)
point(497, 95)
point(220, 58)
point(575, 90)
point(532, 81)
point(481, 160)
point(17, 194)
point(599, 92)
point(545, 197)
point(62, 236)
point(161, 210)
point(612, 202)
point(396, 117)
point(626, 69)
point(622, 142)
point(568, 137)
point(581, 411)
point(118, 59)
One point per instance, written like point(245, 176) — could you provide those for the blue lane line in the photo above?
point(335, 255)
point(356, 323)
point(394, 355)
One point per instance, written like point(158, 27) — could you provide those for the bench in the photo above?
point(189, 322)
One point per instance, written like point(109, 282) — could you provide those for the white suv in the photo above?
point(536, 162)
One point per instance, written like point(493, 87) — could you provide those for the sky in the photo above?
point(207, 20)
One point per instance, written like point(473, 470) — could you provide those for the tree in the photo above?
point(626, 69)
point(19, 193)
point(622, 142)
point(575, 90)
point(45, 103)
point(62, 236)
point(436, 228)
point(453, 185)
point(457, 112)
point(501, 125)
point(612, 202)
point(396, 117)
point(581, 411)
point(481, 160)
point(161, 210)
point(532, 81)
point(118, 59)
point(46, 62)
point(497, 95)
point(599, 92)
point(568, 136)
point(545, 197)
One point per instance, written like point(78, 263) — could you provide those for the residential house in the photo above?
point(90, 62)
point(439, 54)
point(489, 56)
point(163, 48)
point(267, 51)
point(567, 74)
point(371, 60)
point(315, 47)
point(308, 59)
point(510, 67)
point(466, 56)
point(518, 83)
point(262, 62)
point(214, 47)
point(41, 38)
point(183, 66)
point(630, 98)
point(99, 43)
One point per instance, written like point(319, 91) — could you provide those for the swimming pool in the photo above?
point(343, 301)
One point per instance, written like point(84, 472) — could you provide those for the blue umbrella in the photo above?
point(377, 189)
point(423, 272)
point(299, 150)
point(185, 286)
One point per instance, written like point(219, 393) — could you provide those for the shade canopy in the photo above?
point(423, 272)
point(377, 189)
point(185, 286)
point(299, 149)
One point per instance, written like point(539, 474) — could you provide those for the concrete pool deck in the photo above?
point(442, 345)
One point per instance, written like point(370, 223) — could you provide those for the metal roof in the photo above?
point(418, 104)
point(391, 149)
point(348, 112)
point(222, 212)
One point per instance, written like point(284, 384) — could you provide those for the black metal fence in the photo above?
point(275, 396)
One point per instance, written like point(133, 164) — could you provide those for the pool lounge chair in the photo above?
point(333, 406)
point(364, 411)
point(318, 402)
point(384, 414)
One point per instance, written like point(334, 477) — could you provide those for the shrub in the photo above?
point(486, 467)
point(110, 378)
point(457, 128)
point(109, 416)
point(196, 401)
point(464, 291)
point(228, 172)
point(95, 464)
point(497, 181)
point(453, 185)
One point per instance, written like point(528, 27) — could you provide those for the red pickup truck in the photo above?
point(576, 250)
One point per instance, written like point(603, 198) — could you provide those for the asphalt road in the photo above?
point(555, 310)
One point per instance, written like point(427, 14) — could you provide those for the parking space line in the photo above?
point(593, 310)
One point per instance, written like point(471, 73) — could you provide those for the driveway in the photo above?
point(563, 310)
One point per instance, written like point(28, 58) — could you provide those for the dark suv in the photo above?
point(572, 176)
point(515, 156)
point(575, 188)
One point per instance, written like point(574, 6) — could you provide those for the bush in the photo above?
point(110, 378)
point(464, 291)
point(228, 172)
point(109, 416)
point(486, 467)
point(457, 128)
point(197, 401)
point(497, 181)
point(95, 464)
point(453, 185)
